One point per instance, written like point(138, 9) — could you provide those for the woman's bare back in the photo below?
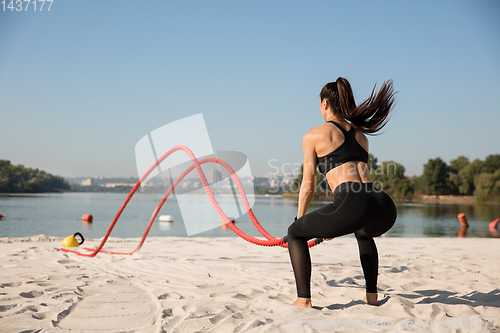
point(328, 138)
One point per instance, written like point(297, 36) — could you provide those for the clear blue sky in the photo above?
point(81, 84)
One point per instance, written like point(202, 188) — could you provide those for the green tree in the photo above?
point(404, 189)
point(389, 173)
point(458, 164)
point(372, 162)
point(491, 164)
point(467, 175)
point(418, 185)
point(487, 186)
point(322, 186)
point(5, 176)
point(436, 177)
point(456, 181)
point(18, 179)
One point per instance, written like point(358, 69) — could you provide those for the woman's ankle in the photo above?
point(371, 298)
point(304, 302)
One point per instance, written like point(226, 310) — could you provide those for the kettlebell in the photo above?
point(71, 241)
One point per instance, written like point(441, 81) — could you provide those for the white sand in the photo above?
point(229, 285)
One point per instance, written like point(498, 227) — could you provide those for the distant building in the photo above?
point(288, 179)
point(274, 182)
point(213, 176)
point(87, 182)
point(118, 184)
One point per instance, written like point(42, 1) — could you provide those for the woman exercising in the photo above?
point(339, 149)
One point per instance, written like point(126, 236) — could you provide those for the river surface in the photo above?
point(61, 215)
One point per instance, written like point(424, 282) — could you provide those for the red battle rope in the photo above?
point(269, 241)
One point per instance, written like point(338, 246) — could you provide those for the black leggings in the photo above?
point(356, 207)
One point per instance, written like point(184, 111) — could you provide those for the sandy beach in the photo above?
point(228, 285)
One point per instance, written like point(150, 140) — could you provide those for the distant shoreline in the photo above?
point(424, 199)
point(447, 199)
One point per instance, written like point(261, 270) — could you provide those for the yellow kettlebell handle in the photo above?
point(71, 241)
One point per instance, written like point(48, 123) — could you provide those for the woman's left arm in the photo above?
point(308, 185)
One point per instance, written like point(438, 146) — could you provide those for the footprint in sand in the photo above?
point(4, 308)
point(65, 261)
point(31, 294)
point(213, 295)
point(41, 283)
point(57, 277)
point(163, 296)
point(62, 295)
point(166, 313)
point(214, 285)
point(31, 308)
point(126, 308)
point(250, 325)
point(242, 297)
point(10, 284)
point(42, 315)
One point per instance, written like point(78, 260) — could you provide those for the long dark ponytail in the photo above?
point(371, 115)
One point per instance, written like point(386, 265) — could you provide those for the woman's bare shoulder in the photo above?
point(362, 139)
point(318, 130)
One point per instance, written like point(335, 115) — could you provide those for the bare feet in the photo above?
point(371, 298)
point(303, 302)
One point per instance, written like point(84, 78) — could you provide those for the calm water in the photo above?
point(60, 215)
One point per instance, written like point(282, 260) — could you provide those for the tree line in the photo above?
point(19, 179)
point(461, 177)
point(480, 178)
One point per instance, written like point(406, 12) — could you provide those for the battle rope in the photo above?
point(270, 240)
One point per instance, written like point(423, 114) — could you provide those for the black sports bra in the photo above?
point(349, 150)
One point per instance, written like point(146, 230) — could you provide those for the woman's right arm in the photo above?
point(308, 184)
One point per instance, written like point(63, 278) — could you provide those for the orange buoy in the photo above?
point(87, 218)
point(224, 224)
point(493, 225)
point(231, 220)
point(463, 220)
point(2, 216)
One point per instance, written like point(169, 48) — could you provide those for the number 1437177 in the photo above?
point(23, 5)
